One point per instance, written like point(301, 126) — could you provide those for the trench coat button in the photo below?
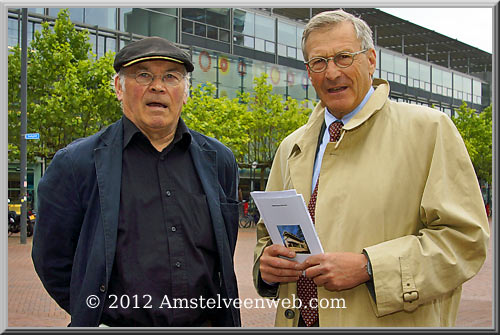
point(168, 193)
point(178, 264)
point(102, 288)
point(173, 229)
point(289, 314)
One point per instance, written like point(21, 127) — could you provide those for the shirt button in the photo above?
point(178, 264)
point(102, 288)
point(168, 193)
point(174, 229)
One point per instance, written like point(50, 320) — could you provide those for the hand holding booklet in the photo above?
point(288, 222)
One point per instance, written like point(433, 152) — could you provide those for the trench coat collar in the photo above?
point(372, 106)
point(302, 156)
point(313, 125)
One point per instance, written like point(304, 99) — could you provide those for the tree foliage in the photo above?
point(476, 131)
point(220, 118)
point(70, 93)
point(252, 125)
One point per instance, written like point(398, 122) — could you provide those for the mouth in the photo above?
point(156, 105)
point(337, 89)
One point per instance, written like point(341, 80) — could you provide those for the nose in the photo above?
point(332, 70)
point(157, 84)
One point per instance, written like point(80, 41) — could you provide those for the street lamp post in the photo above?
point(252, 175)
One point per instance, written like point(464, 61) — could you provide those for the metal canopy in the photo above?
point(393, 33)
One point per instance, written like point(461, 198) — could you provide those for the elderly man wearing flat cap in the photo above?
point(137, 224)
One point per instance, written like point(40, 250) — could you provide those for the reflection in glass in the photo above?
point(269, 47)
point(75, 14)
point(244, 22)
point(212, 32)
point(104, 17)
point(282, 50)
point(287, 34)
point(218, 17)
point(187, 26)
point(223, 35)
point(35, 10)
point(13, 32)
point(400, 65)
point(158, 24)
point(264, 27)
point(171, 11)
point(259, 44)
point(195, 14)
point(200, 29)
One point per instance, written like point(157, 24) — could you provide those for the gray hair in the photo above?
point(331, 18)
point(121, 76)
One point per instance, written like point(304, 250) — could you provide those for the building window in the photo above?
point(187, 26)
point(147, 22)
point(212, 23)
point(103, 17)
point(75, 14)
point(255, 31)
point(244, 22)
point(264, 27)
point(13, 32)
point(289, 40)
point(200, 30)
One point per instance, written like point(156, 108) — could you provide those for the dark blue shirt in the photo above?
point(166, 246)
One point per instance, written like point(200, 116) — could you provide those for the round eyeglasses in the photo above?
point(171, 78)
point(342, 59)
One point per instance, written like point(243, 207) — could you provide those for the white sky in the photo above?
point(469, 25)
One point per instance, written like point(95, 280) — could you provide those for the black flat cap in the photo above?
point(151, 48)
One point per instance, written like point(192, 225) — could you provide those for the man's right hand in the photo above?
point(274, 269)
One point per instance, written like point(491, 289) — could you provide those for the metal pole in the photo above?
point(24, 121)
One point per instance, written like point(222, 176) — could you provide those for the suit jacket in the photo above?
point(399, 184)
point(79, 195)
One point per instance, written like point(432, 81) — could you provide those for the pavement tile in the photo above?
point(29, 305)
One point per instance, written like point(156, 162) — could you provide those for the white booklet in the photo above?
point(288, 222)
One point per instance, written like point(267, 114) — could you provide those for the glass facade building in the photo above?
point(230, 46)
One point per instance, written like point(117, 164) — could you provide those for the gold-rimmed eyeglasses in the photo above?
point(170, 78)
point(342, 59)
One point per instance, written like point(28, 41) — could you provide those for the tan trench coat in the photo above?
point(399, 184)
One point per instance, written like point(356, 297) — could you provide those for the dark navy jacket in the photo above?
point(78, 204)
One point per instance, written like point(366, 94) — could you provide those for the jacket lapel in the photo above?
point(205, 163)
point(301, 159)
point(108, 164)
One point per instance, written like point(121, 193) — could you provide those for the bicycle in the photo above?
point(248, 219)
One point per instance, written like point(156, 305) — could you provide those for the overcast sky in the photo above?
point(469, 25)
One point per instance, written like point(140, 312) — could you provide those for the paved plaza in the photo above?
point(29, 305)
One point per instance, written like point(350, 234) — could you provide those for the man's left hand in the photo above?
point(336, 271)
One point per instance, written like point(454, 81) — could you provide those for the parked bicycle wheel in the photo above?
point(245, 222)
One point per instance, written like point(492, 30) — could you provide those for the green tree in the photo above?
point(217, 117)
point(476, 131)
point(70, 93)
point(272, 119)
point(252, 125)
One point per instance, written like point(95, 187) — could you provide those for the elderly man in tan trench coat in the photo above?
point(398, 209)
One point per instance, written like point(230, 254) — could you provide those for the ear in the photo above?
point(118, 89)
point(308, 72)
point(372, 60)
